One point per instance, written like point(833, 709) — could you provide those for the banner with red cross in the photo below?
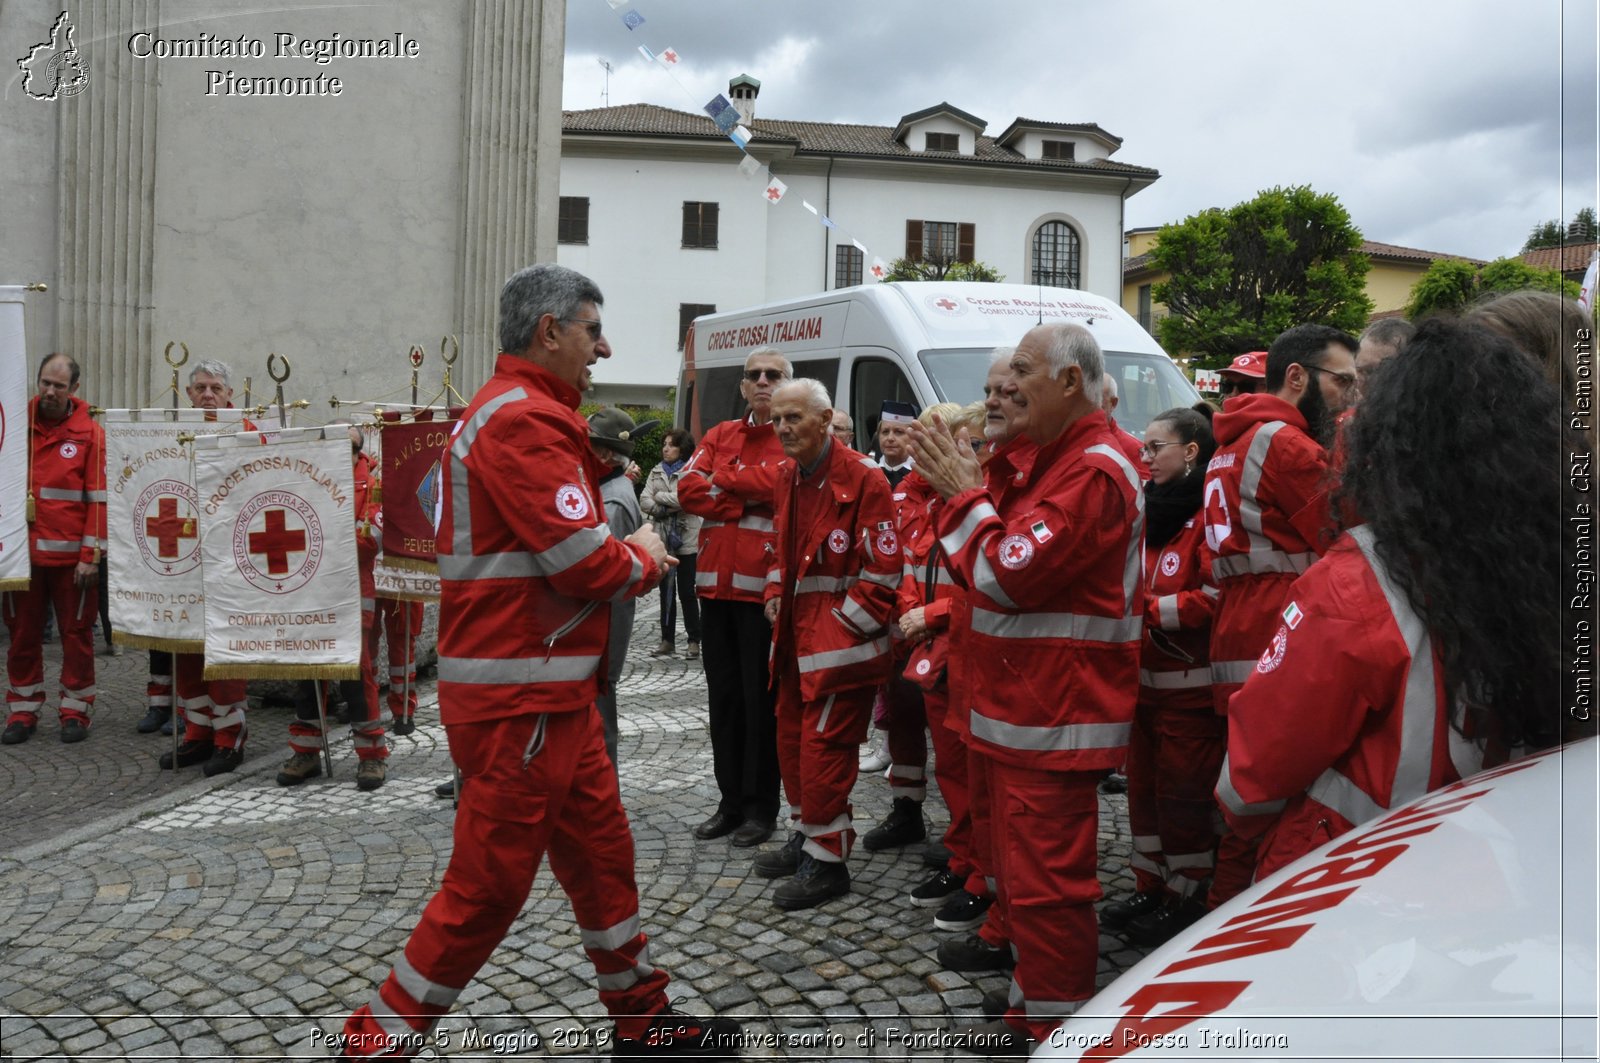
point(278, 554)
point(152, 530)
point(14, 391)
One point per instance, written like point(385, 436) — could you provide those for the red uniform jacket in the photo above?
point(1266, 514)
point(1130, 446)
point(68, 484)
point(1053, 579)
point(1175, 668)
point(838, 590)
point(925, 581)
point(526, 561)
point(1344, 717)
point(369, 527)
point(736, 535)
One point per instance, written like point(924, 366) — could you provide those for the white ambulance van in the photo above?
point(916, 342)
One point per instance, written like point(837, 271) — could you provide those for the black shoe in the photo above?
point(16, 733)
point(672, 1034)
point(972, 953)
point(719, 824)
point(936, 856)
point(780, 863)
point(154, 717)
point(445, 789)
point(1115, 783)
point(902, 826)
point(996, 1003)
point(995, 1039)
point(401, 727)
point(1120, 913)
point(224, 760)
point(189, 753)
point(933, 892)
point(753, 832)
point(964, 911)
point(167, 726)
point(813, 883)
point(1160, 926)
point(74, 731)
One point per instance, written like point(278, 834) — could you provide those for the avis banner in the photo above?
point(405, 584)
point(414, 454)
point(152, 526)
point(278, 554)
point(14, 457)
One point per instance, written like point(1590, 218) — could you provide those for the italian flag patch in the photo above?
point(1041, 532)
point(1292, 616)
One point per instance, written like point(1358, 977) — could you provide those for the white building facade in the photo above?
point(656, 210)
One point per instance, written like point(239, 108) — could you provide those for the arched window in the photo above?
point(1055, 255)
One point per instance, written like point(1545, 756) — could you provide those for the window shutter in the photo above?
point(966, 236)
point(691, 224)
point(708, 224)
point(914, 239)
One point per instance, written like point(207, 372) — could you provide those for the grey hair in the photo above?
point(1001, 354)
point(773, 352)
point(534, 291)
point(1108, 385)
point(848, 420)
point(1392, 332)
point(212, 367)
point(1070, 344)
point(816, 393)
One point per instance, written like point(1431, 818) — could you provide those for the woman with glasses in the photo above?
point(681, 532)
point(1175, 750)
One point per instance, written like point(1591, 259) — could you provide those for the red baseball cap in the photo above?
point(1253, 364)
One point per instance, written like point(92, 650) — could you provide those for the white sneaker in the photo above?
point(875, 757)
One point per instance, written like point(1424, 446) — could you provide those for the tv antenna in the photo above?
point(605, 93)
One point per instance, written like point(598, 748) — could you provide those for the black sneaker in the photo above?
point(1160, 926)
point(16, 733)
point(1120, 913)
point(902, 826)
point(964, 911)
point(936, 856)
point(995, 1039)
point(672, 1034)
point(400, 726)
point(972, 953)
point(445, 789)
point(74, 731)
point(813, 883)
point(933, 892)
point(154, 717)
point(780, 863)
point(189, 753)
point(224, 760)
point(1115, 783)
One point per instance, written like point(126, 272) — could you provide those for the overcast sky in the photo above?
point(1448, 125)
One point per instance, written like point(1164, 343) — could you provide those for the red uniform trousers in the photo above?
point(158, 688)
point(818, 754)
point(982, 882)
point(213, 710)
point(361, 698)
point(908, 749)
point(950, 772)
point(1045, 825)
point(1173, 753)
point(75, 609)
point(535, 784)
point(402, 623)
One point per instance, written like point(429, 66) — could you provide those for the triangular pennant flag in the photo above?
point(669, 56)
point(860, 246)
point(647, 53)
point(749, 166)
point(827, 222)
point(775, 190)
point(879, 270)
point(808, 206)
point(740, 136)
point(633, 20)
point(616, 5)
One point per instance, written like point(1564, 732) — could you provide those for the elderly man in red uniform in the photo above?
point(729, 482)
point(1266, 515)
point(1053, 580)
point(522, 535)
point(67, 499)
point(829, 596)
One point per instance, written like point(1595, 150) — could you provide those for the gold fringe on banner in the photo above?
point(13, 584)
point(282, 671)
point(406, 596)
point(157, 642)
point(411, 564)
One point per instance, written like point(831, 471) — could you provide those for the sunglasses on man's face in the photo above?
point(753, 375)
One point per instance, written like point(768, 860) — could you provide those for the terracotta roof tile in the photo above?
point(1372, 247)
point(1571, 258)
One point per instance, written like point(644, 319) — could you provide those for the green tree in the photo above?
point(1241, 275)
point(1550, 233)
point(1545, 234)
point(905, 269)
point(1450, 285)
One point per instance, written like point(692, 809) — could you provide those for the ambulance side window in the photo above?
point(872, 381)
point(719, 394)
point(825, 370)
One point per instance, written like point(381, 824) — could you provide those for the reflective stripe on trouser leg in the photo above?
point(789, 711)
point(305, 736)
point(907, 780)
point(367, 738)
point(829, 758)
point(906, 742)
point(77, 609)
point(24, 616)
point(229, 705)
point(950, 774)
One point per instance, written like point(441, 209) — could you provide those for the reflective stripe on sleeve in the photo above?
point(58, 546)
point(1234, 803)
point(1231, 671)
point(1189, 679)
point(62, 494)
point(956, 541)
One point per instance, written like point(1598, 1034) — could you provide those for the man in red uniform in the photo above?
point(1243, 375)
point(829, 595)
point(522, 535)
point(1266, 516)
point(402, 623)
point(67, 498)
point(1052, 573)
point(213, 710)
point(729, 482)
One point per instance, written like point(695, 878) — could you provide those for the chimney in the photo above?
point(742, 92)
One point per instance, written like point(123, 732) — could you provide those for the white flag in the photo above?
point(14, 457)
point(1590, 276)
point(879, 269)
point(749, 166)
point(775, 190)
point(669, 56)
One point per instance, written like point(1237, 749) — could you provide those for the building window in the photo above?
point(1144, 309)
point(1055, 255)
point(699, 224)
point(687, 312)
point(847, 262)
point(573, 226)
point(1058, 149)
point(941, 142)
point(940, 241)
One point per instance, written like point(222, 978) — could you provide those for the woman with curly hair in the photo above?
point(1426, 644)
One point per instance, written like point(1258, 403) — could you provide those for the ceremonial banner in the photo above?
point(414, 455)
point(405, 584)
point(152, 530)
point(14, 443)
point(278, 554)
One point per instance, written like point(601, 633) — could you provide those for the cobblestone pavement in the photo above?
point(150, 915)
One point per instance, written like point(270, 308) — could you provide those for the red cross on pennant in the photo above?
point(945, 304)
point(167, 528)
point(773, 194)
point(277, 542)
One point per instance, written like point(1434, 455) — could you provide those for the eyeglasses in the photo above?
point(1346, 380)
point(1150, 450)
point(594, 326)
point(1234, 387)
point(773, 375)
